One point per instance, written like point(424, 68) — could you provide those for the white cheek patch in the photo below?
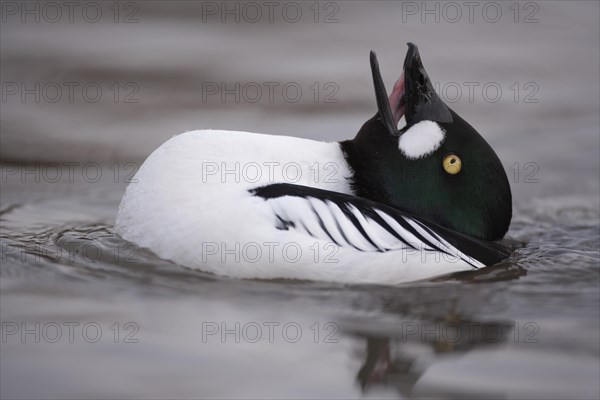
point(422, 139)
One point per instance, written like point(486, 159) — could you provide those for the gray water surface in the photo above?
point(85, 314)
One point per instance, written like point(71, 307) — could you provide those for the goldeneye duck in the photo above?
point(389, 206)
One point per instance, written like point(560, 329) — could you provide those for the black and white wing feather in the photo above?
point(365, 225)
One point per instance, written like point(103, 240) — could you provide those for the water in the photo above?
point(115, 321)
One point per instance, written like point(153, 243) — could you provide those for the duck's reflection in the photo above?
point(495, 273)
point(399, 355)
point(400, 361)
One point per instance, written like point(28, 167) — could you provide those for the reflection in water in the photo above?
point(504, 271)
point(429, 324)
point(399, 361)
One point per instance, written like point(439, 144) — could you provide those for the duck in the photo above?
point(390, 206)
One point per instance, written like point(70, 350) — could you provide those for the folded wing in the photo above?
point(368, 226)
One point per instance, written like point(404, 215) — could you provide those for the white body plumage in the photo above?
point(191, 203)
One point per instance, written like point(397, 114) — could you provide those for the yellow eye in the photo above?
point(452, 164)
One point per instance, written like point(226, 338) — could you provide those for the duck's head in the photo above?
point(437, 167)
